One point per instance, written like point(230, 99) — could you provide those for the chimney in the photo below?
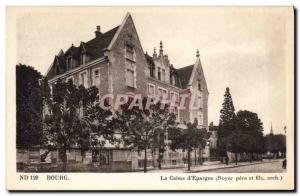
point(98, 32)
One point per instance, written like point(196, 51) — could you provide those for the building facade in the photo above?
point(116, 63)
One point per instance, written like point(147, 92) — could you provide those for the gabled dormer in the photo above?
point(159, 65)
point(58, 65)
point(83, 55)
point(72, 57)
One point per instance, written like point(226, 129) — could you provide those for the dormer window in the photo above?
point(174, 79)
point(82, 58)
point(69, 62)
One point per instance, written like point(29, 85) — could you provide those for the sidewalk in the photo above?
point(207, 166)
point(223, 166)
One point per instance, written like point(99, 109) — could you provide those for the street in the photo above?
point(267, 167)
point(273, 166)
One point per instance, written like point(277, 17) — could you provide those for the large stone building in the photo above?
point(116, 63)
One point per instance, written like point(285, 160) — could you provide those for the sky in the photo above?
point(245, 49)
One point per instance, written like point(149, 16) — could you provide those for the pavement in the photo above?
point(266, 167)
point(218, 167)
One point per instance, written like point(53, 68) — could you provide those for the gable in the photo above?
point(125, 50)
point(197, 75)
point(125, 29)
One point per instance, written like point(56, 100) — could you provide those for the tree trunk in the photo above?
point(189, 159)
point(153, 158)
point(145, 158)
point(236, 158)
point(159, 164)
point(250, 157)
point(200, 156)
point(159, 159)
point(195, 157)
point(64, 159)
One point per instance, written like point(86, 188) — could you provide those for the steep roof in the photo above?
point(94, 48)
point(184, 74)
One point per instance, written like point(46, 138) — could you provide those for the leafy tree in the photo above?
point(188, 139)
point(139, 127)
point(29, 98)
point(281, 143)
point(73, 119)
point(250, 132)
point(226, 124)
point(276, 143)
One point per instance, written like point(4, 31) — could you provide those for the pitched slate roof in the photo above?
point(184, 74)
point(74, 52)
point(94, 48)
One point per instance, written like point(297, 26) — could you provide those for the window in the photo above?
point(200, 102)
point(163, 75)
point(69, 62)
point(141, 163)
point(129, 77)
point(159, 73)
point(172, 94)
point(96, 77)
point(173, 80)
point(83, 79)
point(151, 89)
point(174, 162)
point(82, 59)
point(51, 89)
point(130, 74)
point(162, 92)
point(152, 68)
point(199, 85)
point(130, 54)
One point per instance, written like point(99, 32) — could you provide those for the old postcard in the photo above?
point(150, 98)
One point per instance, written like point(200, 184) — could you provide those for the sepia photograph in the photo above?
point(169, 94)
